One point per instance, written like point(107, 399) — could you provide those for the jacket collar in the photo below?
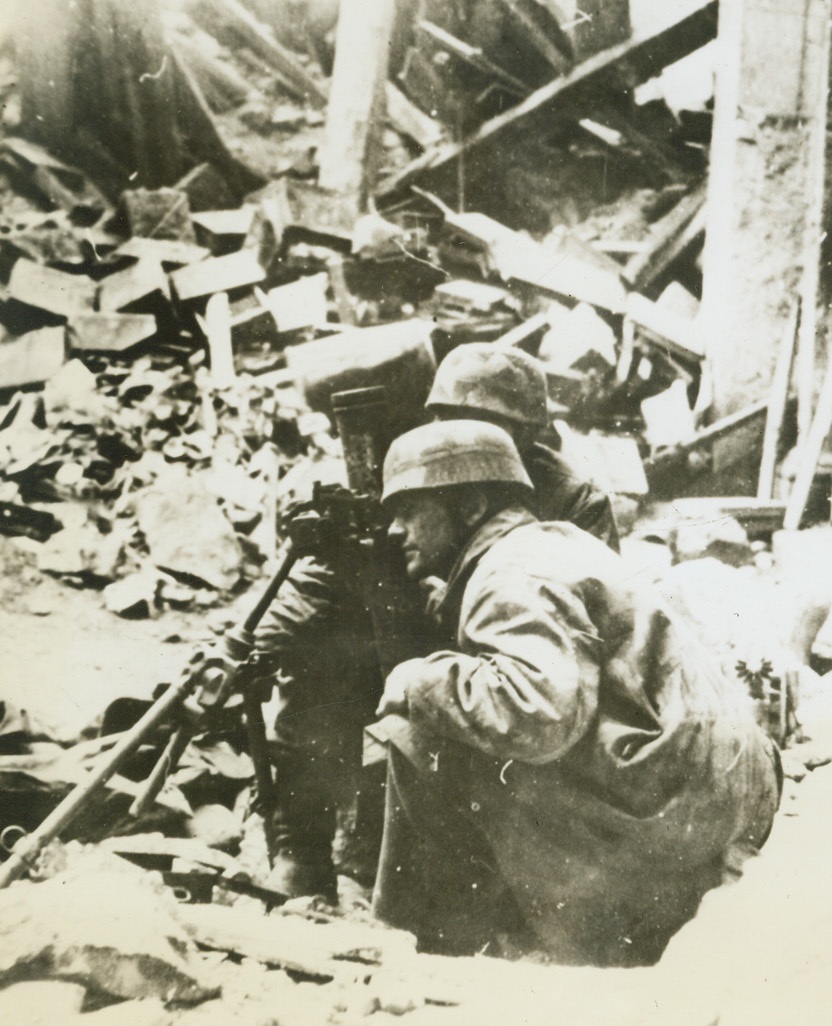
point(491, 531)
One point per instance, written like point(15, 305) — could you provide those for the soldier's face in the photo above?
point(427, 532)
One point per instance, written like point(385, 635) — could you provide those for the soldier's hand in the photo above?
point(394, 699)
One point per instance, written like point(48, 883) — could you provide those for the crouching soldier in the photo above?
point(572, 772)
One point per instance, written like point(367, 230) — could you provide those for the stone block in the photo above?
point(217, 274)
point(109, 931)
point(31, 358)
point(40, 1003)
point(53, 291)
point(143, 283)
point(159, 214)
point(110, 332)
point(187, 533)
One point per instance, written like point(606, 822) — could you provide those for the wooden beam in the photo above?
point(810, 451)
point(231, 15)
point(668, 239)
point(574, 95)
point(777, 405)
point(350, 154)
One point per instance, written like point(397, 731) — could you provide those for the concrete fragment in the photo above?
point(144, 282)
point(217, 274)
point(110, 931)
point(216, 826)
point(578, 340)
point(186, 531)
point(110, 332)
point(31, 358)
point(301, 304)
point(822, 645)
point(70, 395)
point(221, 228)
point(668, 418)
point(134, 596)
point(159, 214)
point(47, 289)
point(398, 356)
point(611, 462)
point(722, 538)
point(663, 327)
point(676, 299)
point(70, 551)
point(40, 1003)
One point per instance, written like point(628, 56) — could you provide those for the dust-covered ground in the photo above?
point(756, 951)
point(64, 657)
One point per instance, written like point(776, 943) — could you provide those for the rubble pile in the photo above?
point(147, 340)
point(167, 360)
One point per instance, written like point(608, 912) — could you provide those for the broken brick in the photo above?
point(578, 340)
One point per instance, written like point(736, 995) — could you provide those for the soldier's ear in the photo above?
point(473, 506)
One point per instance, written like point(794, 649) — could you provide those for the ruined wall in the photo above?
point(765, 193)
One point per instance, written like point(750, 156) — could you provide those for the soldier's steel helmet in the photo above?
point(451, 453)
point(478, 376)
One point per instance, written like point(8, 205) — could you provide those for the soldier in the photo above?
point(571, 771)
point(317, 636)
point(507, 387)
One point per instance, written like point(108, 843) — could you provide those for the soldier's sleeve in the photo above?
point(561, 494)
point(307, 598)
point(525, 685)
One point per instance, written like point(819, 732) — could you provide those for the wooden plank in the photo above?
point(664, 329)
point(217, 327)
point(523, 334)
point(777, 405)
point(530, 21)
point(720, 428)
point(574, 95)
point(205, 139)
point(810, 451)
point(409, 120)
point(474, 56)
